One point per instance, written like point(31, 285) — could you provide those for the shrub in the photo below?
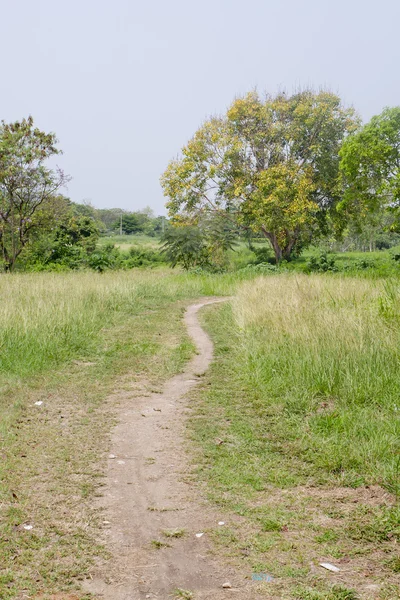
point(142, 257)
point(185, 245)
point(321, 263)
point(260, 268)
point(395, 256)
point(364, 263)
point(263, 255)
point(108, 257)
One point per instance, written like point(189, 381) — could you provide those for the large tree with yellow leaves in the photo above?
point(271, 163)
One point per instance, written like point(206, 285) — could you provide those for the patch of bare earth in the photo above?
point(153, 511)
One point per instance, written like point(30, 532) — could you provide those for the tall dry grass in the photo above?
point(46, 318)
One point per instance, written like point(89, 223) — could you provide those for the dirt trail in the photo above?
point(148, 473)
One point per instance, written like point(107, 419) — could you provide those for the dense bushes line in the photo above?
point(102, 258)
point(108, 256)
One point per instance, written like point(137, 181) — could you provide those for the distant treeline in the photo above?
point(119, 220)
point(39, 227)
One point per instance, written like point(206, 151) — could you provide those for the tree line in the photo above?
point(114, 221)
point(291, 169)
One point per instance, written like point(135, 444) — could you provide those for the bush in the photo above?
point(260, 268)
point(263, 255)
point(142, 257)
point(108, 257)
point(322, 263)
point(395, 256)
point(186, 246)
point(364, 263)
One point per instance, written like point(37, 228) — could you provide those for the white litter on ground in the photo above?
point(330, 567)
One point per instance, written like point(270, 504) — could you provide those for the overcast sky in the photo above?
point(124, 84)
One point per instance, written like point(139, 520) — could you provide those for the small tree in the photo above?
point(201, 245)
point(67, 243)
point(26, 184)
point(75, 231)
point(185, 245)
point(273, 163)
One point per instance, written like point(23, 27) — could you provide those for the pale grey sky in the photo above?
point(124, 84)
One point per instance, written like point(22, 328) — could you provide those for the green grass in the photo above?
point(184, 594)
point(304, 394)
point(370, 265)
point(337, 592)
point(159, 544)
point(67, 341)
point(124, 242)
point(174, 533)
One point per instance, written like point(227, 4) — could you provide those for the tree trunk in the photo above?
point(274, 243)
point(284, 253)
point(287, 251)
point(9, 259)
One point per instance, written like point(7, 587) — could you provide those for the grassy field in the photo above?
point(304, 396)
point(67, 340)
point(368, 265)
point(125, 242)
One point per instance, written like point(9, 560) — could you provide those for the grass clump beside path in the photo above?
point(299, 434)
point(67, 342)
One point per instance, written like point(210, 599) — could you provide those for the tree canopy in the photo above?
point(370, 167)
point(272, 162)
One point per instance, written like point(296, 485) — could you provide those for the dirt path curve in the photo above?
point(146, 494)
